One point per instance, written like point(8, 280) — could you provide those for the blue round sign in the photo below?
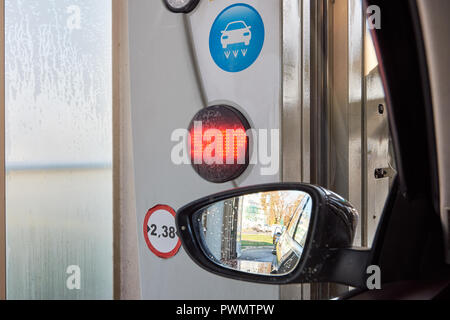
point(237, 37)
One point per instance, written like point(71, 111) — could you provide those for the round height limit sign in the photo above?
point(160, 231)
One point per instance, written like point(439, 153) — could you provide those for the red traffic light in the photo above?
point(219, 146)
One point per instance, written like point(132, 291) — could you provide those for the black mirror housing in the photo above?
point(327, 253)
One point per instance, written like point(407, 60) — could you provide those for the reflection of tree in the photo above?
point(277, 208)
point(265, 203)
point(291, 209)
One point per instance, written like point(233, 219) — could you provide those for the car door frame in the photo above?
point(409, 241)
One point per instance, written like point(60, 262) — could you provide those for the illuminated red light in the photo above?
point(219, 143)
point(232, 144)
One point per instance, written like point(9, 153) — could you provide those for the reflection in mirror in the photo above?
point(261, 233)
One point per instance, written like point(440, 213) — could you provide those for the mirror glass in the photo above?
point(261, 233)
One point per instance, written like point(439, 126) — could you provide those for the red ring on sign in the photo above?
point(164, 255)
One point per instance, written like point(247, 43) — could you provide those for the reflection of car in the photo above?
point(276, 233)
point(275, 238)
point(289, 247)
point(258, 227)
point(236, 32)
point(287, 252)
point(277, 228)
point(261, 228)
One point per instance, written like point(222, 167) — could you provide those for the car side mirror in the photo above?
point(237, 234)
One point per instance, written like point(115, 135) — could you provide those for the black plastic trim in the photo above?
point(412, 208)
point(324, 258)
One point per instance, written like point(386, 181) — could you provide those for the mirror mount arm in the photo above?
point(346, 266)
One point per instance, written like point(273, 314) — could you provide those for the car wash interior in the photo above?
point(118, 115)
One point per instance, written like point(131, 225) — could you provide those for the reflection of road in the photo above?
point(258, 254)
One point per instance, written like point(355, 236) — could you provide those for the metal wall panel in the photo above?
point(360, 133)
point(357, 124)
point(377, 151)
point(296, 112)
point(172, 78)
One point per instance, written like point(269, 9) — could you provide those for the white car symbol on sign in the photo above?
point(236, 32)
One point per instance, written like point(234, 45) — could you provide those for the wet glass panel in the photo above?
point(59, 149)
